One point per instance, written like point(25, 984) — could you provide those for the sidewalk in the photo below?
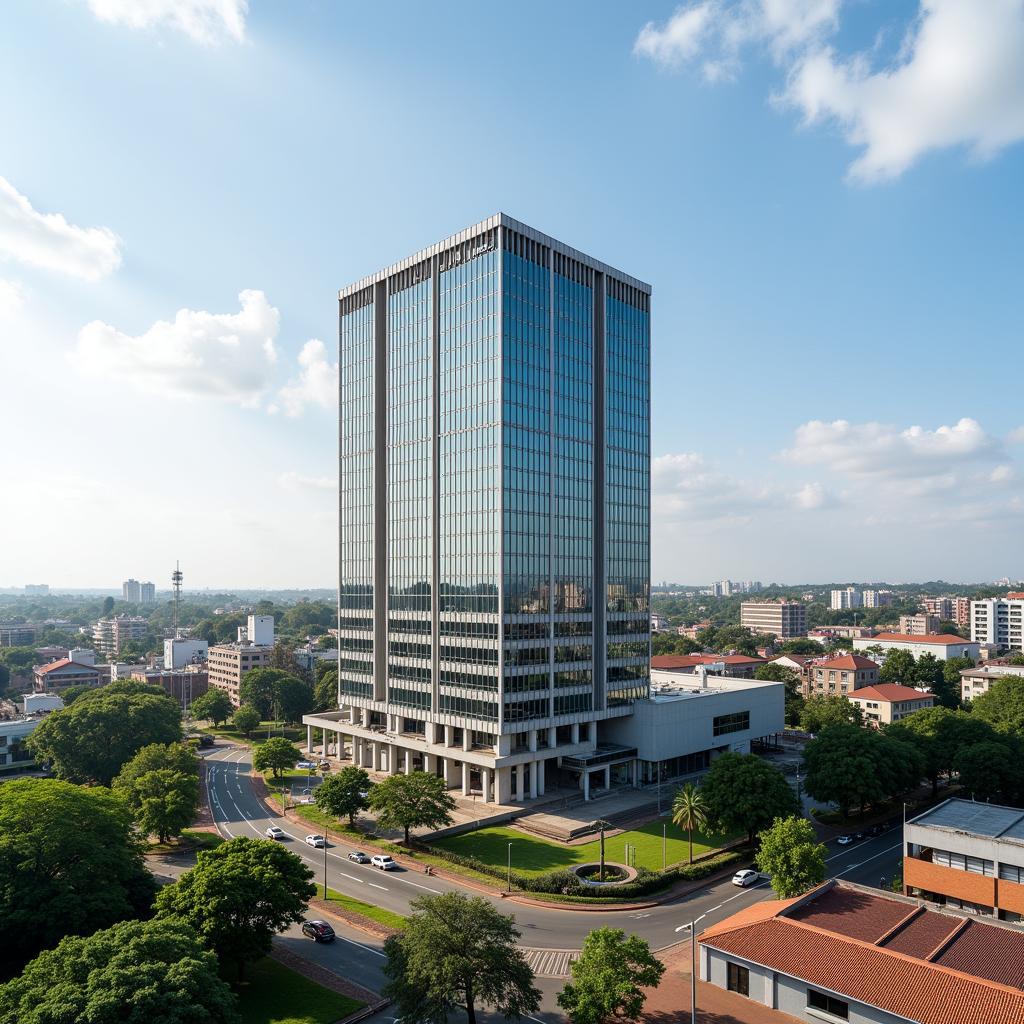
point(669, 1003)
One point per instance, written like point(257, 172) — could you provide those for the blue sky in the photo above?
point(825, 196)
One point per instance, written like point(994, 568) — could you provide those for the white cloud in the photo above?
point(876, 449)
point(679, 39)
point(206, 21)
point(48, 241)
point(292, 481)
point(219, 355)
point(316, 384)
point(12, 298)
point(958, 82)
point(1016, 436)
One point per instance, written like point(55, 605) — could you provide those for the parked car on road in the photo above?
point(273, 832)
point(384, 862)
point(359, 857)
point(318, 841)
point(318, 931)
point(306, 765)
point(324, 766)
point(844, 840)
point(745, 877)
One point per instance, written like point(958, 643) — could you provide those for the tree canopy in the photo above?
point(276, 755)
point(132, 973)
point(416, 800)
point(1002, 706)
point(457, 951)
point(990, 771)
point(239, 896)
point(746, 794)
point(609, 977)
point(274, 690)
point(789, 852)
point(92, 739)
point(214, 706)
point(342, 794)
point(161, 786)
point(246, 719)
point(939, 734)
point(69, 863)
point(823, 710)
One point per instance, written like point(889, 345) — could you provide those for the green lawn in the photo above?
point(295, 733)
point(532, 855)
point(274, 994)
point(378, 914)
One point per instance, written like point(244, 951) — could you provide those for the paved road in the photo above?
point(238, 812)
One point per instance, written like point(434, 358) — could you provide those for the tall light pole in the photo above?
point(664, 845)
point(325, 868)
point(693, 963)
point(509, 867)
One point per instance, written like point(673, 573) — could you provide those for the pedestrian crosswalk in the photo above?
point(551, 963)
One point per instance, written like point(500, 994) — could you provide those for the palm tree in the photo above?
point(690, 811)
point(601, 825)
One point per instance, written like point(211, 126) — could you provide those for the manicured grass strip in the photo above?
point(295, 733)
point(532, 855)
point(274, 994)
point(350, 903)
point(204, 840)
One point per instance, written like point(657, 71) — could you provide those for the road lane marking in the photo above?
point(376, 886)
point(860, 864)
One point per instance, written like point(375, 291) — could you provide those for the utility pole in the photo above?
point(664, 846)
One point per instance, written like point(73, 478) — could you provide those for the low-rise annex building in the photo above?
point(885, 703)
point(943, 645)
point(840, 675)
point(976, 681)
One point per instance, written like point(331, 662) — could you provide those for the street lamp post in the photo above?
point(664, 846)
point(325, 868)
point(691, 927)
point(509, 867)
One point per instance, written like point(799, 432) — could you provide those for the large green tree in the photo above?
point(161, 786)
point(823, 710)
point(70, 863)
point(342, 796)
point(989, 771)
point(609, 977)
point(746, 794)
point(273, 691)
point(133, 973)
point(239, 896)
point(276, 755)
point(455, 952)
point(899, 667)
point(325, 692)
point(257, 689)
point(103, 729)
point(939, 734)
point(790, 854)
point(416, 800)
point(294, 698)
point(213, 706)
point(246, 719)
point(1002, 706)
point(690, 811)
point(776, 673)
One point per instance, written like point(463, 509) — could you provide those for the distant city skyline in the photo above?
point(834, 310)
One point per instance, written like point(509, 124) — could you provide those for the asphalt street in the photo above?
point(238, 811)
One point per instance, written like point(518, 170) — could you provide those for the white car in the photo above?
point(305, 800)
point(745, 877)
point(844, 840)
point(273, 832)
point(384, 862)
point(318, 841)
point(306, 765)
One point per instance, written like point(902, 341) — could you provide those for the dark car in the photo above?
point(206, 740)
point(318, 931)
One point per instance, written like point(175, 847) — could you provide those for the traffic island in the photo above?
point(614, 874)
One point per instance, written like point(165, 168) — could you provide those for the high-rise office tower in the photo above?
point(494, 508)
point(130, 591)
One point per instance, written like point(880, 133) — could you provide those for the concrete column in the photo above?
point(503, 785)
point(586, 785)
point(517, 782)
point(592, 732)
point(375, 755)
point(465, 779)
point(448, 735)
point(552, 737)
point(309, 739)
point(608, 777)
point(358, 756)
point(408, 761)
point(467, 742)
point(534, 769)
point(533, 740)
point(392, 759)
point(541, 765)
point(575, 732)
point(486, 775)
point(364, 714)
point(452, 772)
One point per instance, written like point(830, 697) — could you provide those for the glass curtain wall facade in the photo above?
point(495, 503)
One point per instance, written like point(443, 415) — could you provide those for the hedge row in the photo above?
point(565, 883)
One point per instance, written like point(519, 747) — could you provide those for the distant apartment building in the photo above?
point(111, 635)
point(970, 856)
point(962, 611)
point(183, 685)
point(976, 681)
point(227, 663)
point(659, 623)
point(58, 675)
point(999, 621)
point(848, 597)
point(14, 754)
point(738, 665)
point(876, 598)
point(22, 635)
point(692, 631)
point(840, 675)
point(840, 632)
point(885, 703)
point(942, 645)
point(919, 625)
point(147, 593)
point(182, 651)
point(37, 589)
point(130, 591)
point(940, 607)
point(780, 618)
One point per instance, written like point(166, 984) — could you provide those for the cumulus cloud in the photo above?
point(957, 80)
point(1016, 436)
point(218, 355)
point(292, 481)
point(12, 298)
point(876, 449)
point(316, 383)
point(48, 241)
point(208, 22)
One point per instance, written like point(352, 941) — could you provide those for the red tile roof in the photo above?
point(849, 662)
point(63, 663)
point(889, 692)
point(839, 941)
point(670, 661)
point(921, 638)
